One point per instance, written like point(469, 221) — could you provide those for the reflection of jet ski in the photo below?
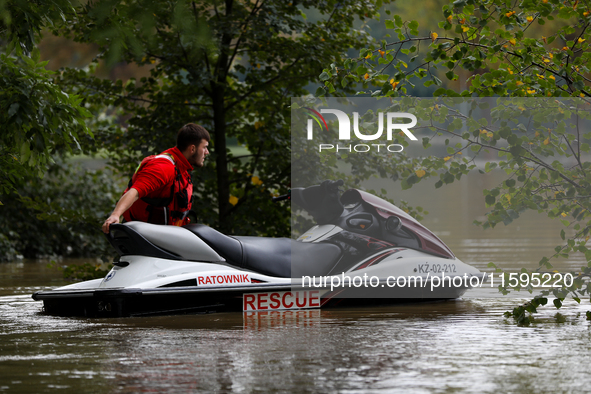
point(363, 251)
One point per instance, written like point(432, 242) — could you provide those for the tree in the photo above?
point(541, 145)
point(50, 206)
point(38, 118)
point(230, 66)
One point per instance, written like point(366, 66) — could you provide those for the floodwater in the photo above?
point(464, 345)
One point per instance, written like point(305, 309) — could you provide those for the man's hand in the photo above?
point(110, 220)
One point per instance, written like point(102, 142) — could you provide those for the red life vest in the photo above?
point(171, 209)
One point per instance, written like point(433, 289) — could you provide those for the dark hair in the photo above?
point(190, 134)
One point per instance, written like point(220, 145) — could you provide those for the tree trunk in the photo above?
point(223, 187)
point(219, 118)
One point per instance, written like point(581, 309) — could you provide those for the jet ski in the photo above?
point(362, 251)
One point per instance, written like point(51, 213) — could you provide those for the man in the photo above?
point(161, 189)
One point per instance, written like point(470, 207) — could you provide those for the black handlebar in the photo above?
point(283, 197)
point(321, 201)
point(333, 186)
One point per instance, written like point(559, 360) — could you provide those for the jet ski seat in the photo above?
point(280, 257)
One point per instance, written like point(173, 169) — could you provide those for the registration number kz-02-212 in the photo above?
point(435, 268)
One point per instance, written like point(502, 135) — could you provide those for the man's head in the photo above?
point(192, 140)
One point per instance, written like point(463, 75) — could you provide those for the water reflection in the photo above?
point(462, 345)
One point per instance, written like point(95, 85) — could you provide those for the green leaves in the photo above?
point(23, 21)
point(512, 64)
point(38, 118)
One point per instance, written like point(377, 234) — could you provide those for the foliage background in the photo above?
point(231, 66)
point(523, 50)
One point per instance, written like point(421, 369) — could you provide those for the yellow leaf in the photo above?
point(434, 36)
point(552, 77)
point(449, 18)
point(233, 200)
point(447, 158)
point(366, 76)
point(368, 56)
point(381, 52)
point(580, 40)
point(420, 173)
point(256, 181)
point(563, 214)
point(465, 28)
point(547, 141)
point(513, 41)
point(530, 18)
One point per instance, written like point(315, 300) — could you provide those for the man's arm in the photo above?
point(125, 202)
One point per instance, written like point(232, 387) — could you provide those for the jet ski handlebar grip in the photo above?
point(283, 197)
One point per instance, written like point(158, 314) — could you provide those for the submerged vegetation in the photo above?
point(57, 215)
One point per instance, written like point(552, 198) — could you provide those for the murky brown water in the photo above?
point(458, 346)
